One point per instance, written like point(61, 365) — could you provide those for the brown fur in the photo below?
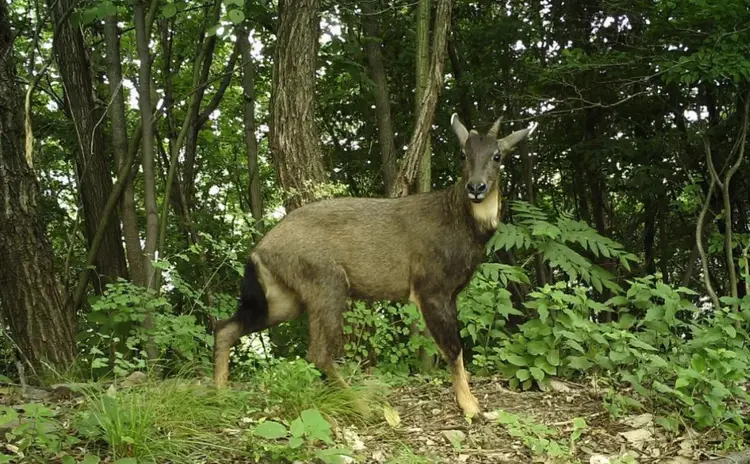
point(423, 247)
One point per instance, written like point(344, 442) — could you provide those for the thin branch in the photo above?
point(227, 79)
point(699, 243)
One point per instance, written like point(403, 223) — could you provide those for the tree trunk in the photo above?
point(528, 176)
point(120, 149)
point(32, 306)
point(649, 233)
point(149, 173)
point(295, 145)
point(421, 136)
point(463, 92)
point(424, 172)
point(372, 43)
point(92, 166)
point(248, 90)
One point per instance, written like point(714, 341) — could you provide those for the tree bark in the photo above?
point(424, 172)
point(463, 92)
point(92, 166)
point(248, 91)
point(120, 149)
point(381, 94)
point(295, 145)
point(42, 327)
point(649, 233)
point(149, 173)
point(528, 175)
point(420, 138)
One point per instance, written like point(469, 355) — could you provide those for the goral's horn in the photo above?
point(495, 127)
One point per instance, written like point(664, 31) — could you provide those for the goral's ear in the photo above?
point(507, 143)
point(459, 129)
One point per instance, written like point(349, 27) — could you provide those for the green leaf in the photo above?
point(522, 374)
point(730, 331)
point(270, 430)
point(537, 347)
point(127, 461)
point(537, 373)
point(5, 379)
point(7, 415)
point(333, 455)
point(90, 459)
point(541, 363)
point(297, 428)
point(681, 382)
point(168, 10)
point(236, 16)
point(5, 458)
point(295, 442)
point(640, 344)
point(579, 362)
point(67, 459)
point(553, 357)
point(575, 345)
point(516, 360)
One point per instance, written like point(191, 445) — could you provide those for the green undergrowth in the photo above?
point(185, 419)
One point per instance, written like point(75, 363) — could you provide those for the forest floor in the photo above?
point(568, 423)
point(536, 426)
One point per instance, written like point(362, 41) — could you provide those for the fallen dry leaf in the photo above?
point(391, 416)
point(639, 421)
point(637, 436)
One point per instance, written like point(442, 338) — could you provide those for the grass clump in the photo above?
point(289, 388)
point(173, 420)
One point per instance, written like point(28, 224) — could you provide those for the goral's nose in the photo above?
point(476, 188)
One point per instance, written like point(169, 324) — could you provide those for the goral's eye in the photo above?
point(497, 157)
point(463, 156)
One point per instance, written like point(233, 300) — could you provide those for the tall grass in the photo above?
point(174, 420)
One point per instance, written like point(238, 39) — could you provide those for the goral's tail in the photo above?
point(253, 307)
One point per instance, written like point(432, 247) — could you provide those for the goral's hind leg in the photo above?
point(265, 302)
point(226, 334)
point(440, 315)
point(325, 301)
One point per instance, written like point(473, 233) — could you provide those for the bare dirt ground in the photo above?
point(431, 424)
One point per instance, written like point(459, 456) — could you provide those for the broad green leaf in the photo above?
point(297, 428)
point(236, 16)
point(90, 459)
point(168, 10)
point(641, 344)
point(7, 415)
point(575, 345)
point(579, 363)
point(67, 459)
point(537, 347)
point(270, 430)
point(127, 461)
point(537, 373)
point(516, 360)
point(553, 357)
point(522, 374)
point(295, 442)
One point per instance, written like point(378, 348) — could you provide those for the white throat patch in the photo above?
point(487, 213)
